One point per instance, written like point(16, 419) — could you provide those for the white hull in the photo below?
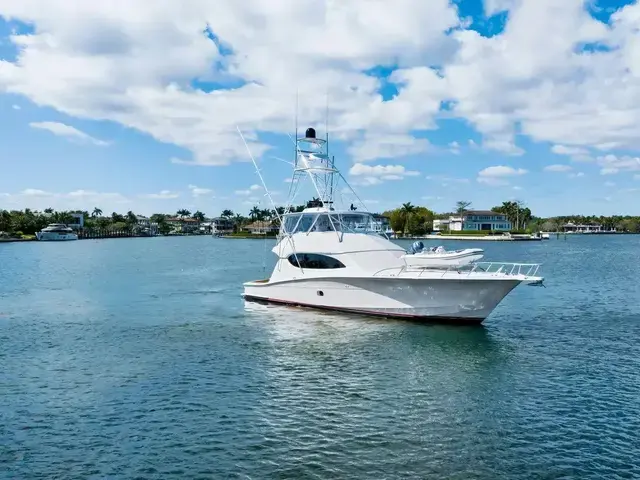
point(458, 258)
point(54, 236)
point(442, 298)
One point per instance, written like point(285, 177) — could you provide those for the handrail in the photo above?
point(501, 269)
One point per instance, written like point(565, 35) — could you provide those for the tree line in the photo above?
point(16, 223)
point(408, 219)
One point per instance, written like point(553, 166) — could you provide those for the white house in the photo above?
point(221, 226)
point(451, 223)
point(261, 228)
point(483, 220)
point(571, 227)
point(77, 222)
point(145, 224)
point(381, 224)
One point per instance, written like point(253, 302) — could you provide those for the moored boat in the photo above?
point(56, 232)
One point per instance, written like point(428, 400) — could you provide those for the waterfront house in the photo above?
point(221, 226)
point(261, 227)
point(146, 226)
point(481, 220)
point(381, 224)
point(76, 221)
point(452, 223)
point(571, 227)
point(184, 225)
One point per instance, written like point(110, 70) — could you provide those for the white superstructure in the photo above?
point(56, 232)
point(336, 259)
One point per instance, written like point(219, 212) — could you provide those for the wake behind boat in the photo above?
point(336, 259)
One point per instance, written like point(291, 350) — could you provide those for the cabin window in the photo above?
point(314, 261)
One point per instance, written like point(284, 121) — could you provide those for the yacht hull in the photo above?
point(459, 301)
point(55, 237)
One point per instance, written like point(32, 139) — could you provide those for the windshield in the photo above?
point(330, 222)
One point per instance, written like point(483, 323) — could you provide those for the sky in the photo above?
point(135, 105)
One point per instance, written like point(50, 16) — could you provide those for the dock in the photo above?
point(486, 238)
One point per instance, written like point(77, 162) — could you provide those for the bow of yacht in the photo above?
point(337, 260)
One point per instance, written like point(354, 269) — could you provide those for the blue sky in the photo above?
point(479, 101)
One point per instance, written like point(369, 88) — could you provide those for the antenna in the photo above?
point(326, 121)
point(296, 127)
point(264, 185)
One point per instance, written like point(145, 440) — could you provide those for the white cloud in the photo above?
point(569, 151)
point(250, 191)
point(75, 200)
point(498, 174)
point(373, 147)
point(576, 174)
point(612, 164)
point(446, 179)
point(162, 195)
point(454, 147)
point(199, 191)
point(501, 171)
point(576, 154)
point(16, 107)
point(534, 79)
point(609, 184)
point(34, 192)
point(68, 132)
point(133, 63)
point(376, 174)
point(557, 168)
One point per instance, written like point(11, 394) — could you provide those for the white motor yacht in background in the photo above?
point(336, 259)
point(438, 257)
point(56, 232)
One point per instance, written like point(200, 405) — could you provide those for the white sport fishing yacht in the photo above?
point(337, 260)
point(56, 232)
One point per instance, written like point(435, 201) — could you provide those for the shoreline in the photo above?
point(485, 238)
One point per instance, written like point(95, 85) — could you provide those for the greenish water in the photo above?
point(137, 358)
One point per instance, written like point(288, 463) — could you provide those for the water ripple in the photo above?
point(138, 361)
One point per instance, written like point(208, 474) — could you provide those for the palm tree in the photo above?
point(62, 217)
point(183, 213)
point(238, 220)
point(48, 210)
point(132, 219)
point(227, 214)
point(255, 213)
point(5, 221)
point(198, 216)
point(407, 209)
point(266, 214)
point(462, 206)
point(96, 212)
